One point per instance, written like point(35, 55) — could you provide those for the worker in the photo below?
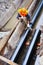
point(22, 14)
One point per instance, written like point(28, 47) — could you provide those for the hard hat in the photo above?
point(22, 11)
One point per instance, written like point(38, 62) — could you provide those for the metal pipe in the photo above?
point(31, 47)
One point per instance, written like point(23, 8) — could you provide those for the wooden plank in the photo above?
point(16, 35)
point(32, 7)
point(7, 61)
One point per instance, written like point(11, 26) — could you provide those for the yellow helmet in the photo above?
point(23, 11)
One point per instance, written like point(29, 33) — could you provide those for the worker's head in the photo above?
point(23, 12)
